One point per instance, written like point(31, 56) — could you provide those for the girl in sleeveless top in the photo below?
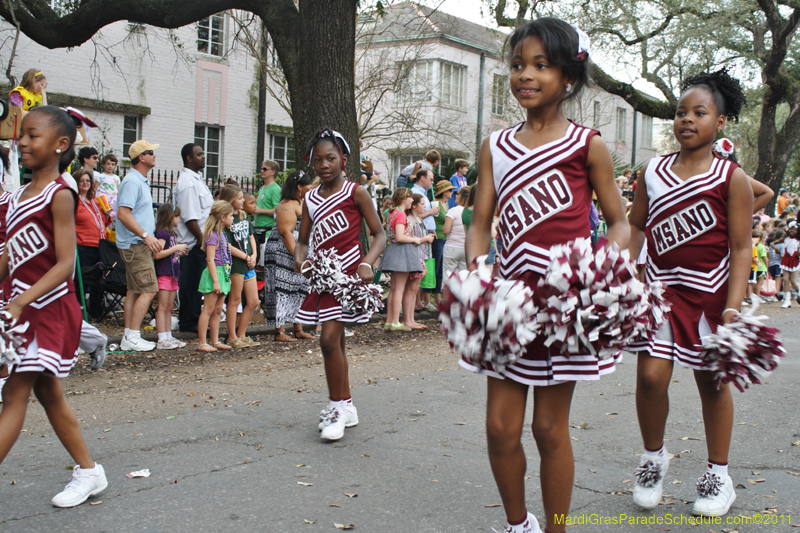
point(540, 174)
point(332, 218)
point(694, 210)
point(40, 270)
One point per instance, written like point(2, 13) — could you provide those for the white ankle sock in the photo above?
point(661, 454)
point(92, 471)
point(127, 333)
point(333, 404)
point(162, 336)
point(525, 527)
point(720, 470)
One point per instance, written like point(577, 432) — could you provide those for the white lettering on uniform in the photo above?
point(683, 226)
point(329, 227)
point(535, 202)
point(25, 244)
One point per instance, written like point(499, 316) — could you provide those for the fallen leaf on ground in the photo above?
point(305, 484)
point(364, 455)
point(461, 423)
point(334, 505)
point(96, 503)
point(350, 494)
point(660, 528)
point(309, 521)
point(676, 482)
point(754, 472)
point(494, 505)
point(793, 473)
point(343, 526)
point(667, 502)
point(751, 481)
point(740, 486)
point(170, 417)
point(298, 466)
point(13, 481)
point(592, 471)
point(627, 481)
point(761, 480)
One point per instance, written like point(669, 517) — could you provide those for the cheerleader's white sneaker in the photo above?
point(332, 423)
point(84, 483)
point(715, 495)
point(649, 481)
point(350, 417)
point(787, 301)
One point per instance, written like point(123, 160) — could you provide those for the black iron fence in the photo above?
point(162, 183)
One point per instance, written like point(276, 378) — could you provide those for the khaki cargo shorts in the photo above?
point(140, 271)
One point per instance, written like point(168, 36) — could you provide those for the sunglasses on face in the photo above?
point(264, 169)
point(147, 152)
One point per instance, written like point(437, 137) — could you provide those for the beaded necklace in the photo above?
point(226, 254)
point(98, 221)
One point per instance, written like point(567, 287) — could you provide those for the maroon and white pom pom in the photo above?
point(326, 271)
point(360, 297)
point(743, 352)
point(591, 302)
point(352, 292)
point(488, 321)
point(11, 339)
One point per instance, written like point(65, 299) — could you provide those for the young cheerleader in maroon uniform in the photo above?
point(39, 258)
point(790, 262)
point(695, 211)
point(541, 174)
point(332, 220)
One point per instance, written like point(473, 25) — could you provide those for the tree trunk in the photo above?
point(322, 94)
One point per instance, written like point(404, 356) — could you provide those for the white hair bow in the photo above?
point(583, 42)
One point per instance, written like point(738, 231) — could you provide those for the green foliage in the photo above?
point(472, 174)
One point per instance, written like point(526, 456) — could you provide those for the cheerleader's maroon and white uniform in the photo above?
point(336, 225)
point(5, 287)
point(55, 318)
point(544, 197)
point(790, 261)
point(689, 253)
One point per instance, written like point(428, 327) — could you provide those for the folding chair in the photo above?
point(111, 280)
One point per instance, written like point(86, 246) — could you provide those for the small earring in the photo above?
point(569, 87)
point(58, 150)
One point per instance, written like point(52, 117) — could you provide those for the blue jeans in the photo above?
point(438, 250)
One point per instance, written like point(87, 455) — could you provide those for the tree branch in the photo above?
point(638, 100)
point(38, 21)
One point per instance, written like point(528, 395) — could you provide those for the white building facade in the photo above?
point(425, 80)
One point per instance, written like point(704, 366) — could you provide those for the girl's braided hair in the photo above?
point(726, 90)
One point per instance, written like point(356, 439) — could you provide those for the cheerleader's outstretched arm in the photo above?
point(740, 209)
point(601, 175)
point(479, 236)
point(638, 216)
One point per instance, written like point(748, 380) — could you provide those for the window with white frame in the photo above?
point(131, 132)
point(402, 161)
point(281, 150)
point(647, 131)
point(211, 35)
point(210, 139)
point(621, 123)
point(451, 84)
point(499, 94)
point(596, 114)
point(433, 81)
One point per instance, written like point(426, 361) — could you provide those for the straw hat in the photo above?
point(443, 186)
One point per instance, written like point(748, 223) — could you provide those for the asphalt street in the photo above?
point(416, 462)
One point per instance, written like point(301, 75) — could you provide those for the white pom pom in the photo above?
point(488, 321)
point(591, 302)
point(743, 352)
point(352, 293)
point(11, 339)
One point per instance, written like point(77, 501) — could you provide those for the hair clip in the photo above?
point(583, 43)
